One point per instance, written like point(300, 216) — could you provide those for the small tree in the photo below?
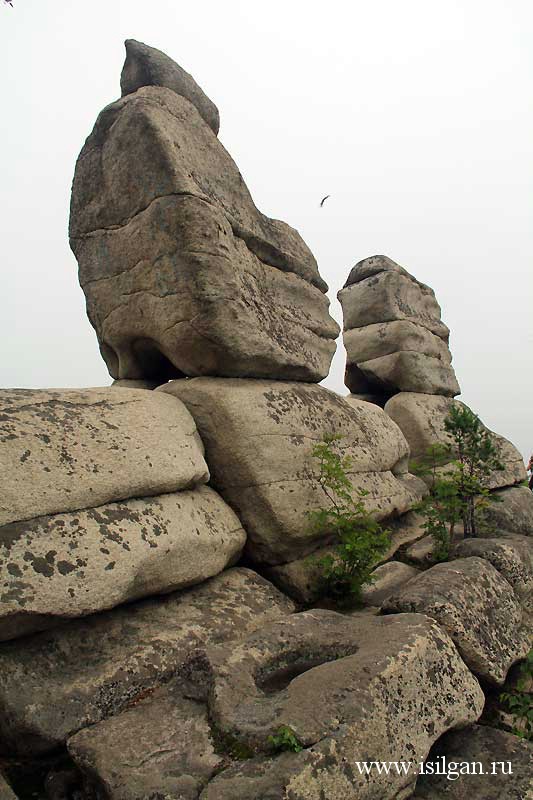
point(442, 507)
point(360, 539)
point(457, 494)
point(476, 457)
point(519, 700)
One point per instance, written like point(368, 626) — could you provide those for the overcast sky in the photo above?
point(415, 115)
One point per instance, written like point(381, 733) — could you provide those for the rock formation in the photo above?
point(161, 633)
point(181, 272)
point(480, 747)
point(103, 502)
point(398, 357)
point(393, 333)
point(421, 420)
point(258, 437)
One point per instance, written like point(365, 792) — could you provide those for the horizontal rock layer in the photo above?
point(394, 337)
point(70, 565)
point(259, 437)
point(161, 747)
point(513, 513)
point(69, 449)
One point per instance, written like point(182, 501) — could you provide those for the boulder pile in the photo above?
point(160, 633)
point(398, 357)
point(393, 333)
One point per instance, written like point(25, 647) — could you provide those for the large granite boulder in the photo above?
point(259, 437)
point(54, 683)
point(421, 420)
point(350, 689)
point(160, 747)
point(393, 333)
point(478, 608)
point(512, 513)
point(69, 565)
point(147, 66)
point(478, 763)
point(512, 556)
point(68, 449)
point(181, 272)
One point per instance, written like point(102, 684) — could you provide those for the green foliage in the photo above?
point(441, 508)
point(476, 457)
point(360, 539)
point(519, 701)
point(285, 739)
point(460, 493)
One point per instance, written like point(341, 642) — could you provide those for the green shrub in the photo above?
point(519, 701)
point(359, 539)
point(285, 739)
point(460, 494)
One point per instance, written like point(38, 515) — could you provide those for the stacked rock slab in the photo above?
point(103, 501)
point(181, 272)
point(259, 437)
point(393, 333)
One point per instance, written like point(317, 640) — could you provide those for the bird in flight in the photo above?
point(324, 200)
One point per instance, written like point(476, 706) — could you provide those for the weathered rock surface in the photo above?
point(301, 578)
point(68, 449)
point(422, 552)
point(161, 747)
point(405, 372)
point(147, 66)
point(70, 565)
point(182, 274)
point(514, 512)
point(393, 333)
point(350, 688)
point(387, 579)
point(476, 606)
point(56, 682)
point(512, 557)
point(421, 419)
point(259, 437)
point(481, 748)
point(387, 338)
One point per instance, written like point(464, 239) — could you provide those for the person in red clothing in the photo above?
point(530, 470)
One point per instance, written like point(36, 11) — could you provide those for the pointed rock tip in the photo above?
point(147, 66)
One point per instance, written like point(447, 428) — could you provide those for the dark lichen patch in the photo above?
point(65, 567)
point(41, 565)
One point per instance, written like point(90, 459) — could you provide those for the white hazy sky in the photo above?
point(415, 115)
